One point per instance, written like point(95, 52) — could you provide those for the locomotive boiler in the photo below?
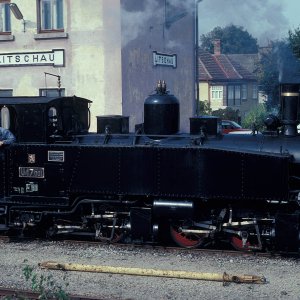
point(200, 188)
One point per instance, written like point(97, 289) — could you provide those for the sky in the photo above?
point(265, 20)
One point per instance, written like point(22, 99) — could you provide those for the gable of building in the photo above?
point(228, 80)
point(222, 67)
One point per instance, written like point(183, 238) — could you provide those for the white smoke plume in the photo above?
point(263, 19)
point(134, 21)
point(188, 5)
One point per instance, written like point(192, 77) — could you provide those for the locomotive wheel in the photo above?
point(186, 240)
point(237, 244)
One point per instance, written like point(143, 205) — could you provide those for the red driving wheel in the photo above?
point(186, 240)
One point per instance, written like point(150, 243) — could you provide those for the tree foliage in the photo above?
point(234, 40)
point(204, 107)
point(277, 64)
point(294, 39)
point(268, 72)
point(255, 118)
point(227, 113)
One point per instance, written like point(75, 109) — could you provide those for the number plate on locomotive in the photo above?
point(31, 172)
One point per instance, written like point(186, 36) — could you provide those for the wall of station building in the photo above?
point(153, 32)
point(87, 54)
point(102, 57)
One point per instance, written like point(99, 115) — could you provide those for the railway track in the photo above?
point(155, 247)
point(13, 294)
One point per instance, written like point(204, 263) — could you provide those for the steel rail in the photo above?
point(11, 293)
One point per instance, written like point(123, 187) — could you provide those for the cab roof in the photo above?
point(36, 100)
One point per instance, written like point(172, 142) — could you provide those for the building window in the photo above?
point(52, 92)
point(233, 95)
point(237, 94)
point(216, 92)
point(5, 27)
point(244, 91)
point(50, 15)
point(254, 91)
point(230, 95)
point(6, 93)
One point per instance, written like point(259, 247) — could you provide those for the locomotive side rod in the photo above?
point(155, 273)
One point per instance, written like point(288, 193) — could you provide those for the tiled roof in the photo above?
point(228, 68)
point(220, 67)
point(248, 61)
point(211, 67)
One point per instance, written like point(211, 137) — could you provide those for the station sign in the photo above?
point(161, 59)
point(55, 58)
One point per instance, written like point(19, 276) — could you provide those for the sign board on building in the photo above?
point(160, 59)
point(55, 58)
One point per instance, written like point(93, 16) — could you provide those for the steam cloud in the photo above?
point(136, 21)
point(263, 19)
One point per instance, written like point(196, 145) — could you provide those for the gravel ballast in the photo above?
point(282, 274)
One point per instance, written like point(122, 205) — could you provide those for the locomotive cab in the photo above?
point(44, 119)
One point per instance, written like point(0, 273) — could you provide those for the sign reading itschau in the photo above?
point(54, 58)
point(164, 59)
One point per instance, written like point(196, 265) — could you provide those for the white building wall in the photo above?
point(92, 49)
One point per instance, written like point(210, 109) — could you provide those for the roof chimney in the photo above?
point(217, 47)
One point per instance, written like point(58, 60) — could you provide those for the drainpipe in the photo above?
point(196, 57)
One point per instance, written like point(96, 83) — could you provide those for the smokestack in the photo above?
point(217, 47)
point(290, 108)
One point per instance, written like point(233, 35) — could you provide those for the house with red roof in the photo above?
point(228, 80)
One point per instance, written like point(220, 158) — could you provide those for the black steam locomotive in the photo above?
point(200, 188)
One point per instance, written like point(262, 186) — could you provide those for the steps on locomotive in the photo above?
point(3, 227)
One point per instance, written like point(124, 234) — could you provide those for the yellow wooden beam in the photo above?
point(152, 272)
